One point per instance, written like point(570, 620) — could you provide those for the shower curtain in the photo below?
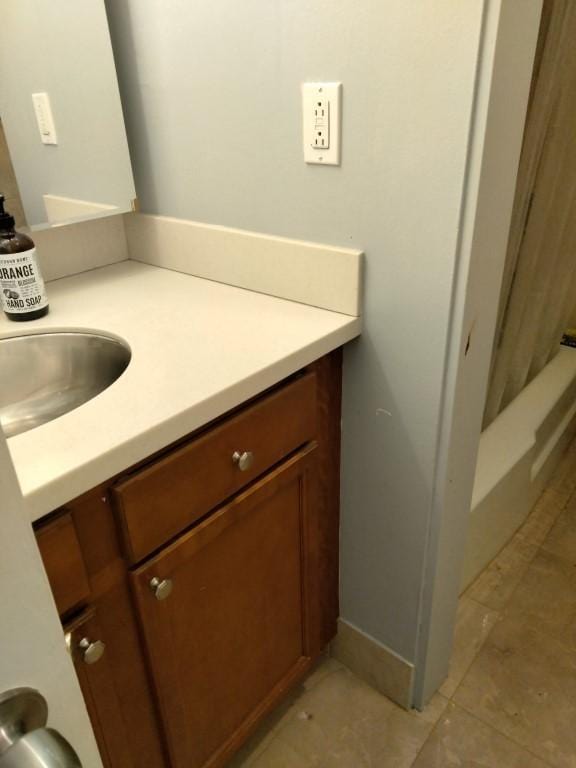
point(539, 286)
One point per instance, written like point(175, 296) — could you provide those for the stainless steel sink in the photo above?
point(44, 375)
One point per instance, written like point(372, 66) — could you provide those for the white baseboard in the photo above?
point(374, 663)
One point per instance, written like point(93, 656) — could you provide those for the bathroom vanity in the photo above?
point(197, 587)
point(187, 516)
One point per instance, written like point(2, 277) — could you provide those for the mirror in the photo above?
point(64, 153)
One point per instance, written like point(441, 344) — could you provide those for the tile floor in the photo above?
point(510, 698)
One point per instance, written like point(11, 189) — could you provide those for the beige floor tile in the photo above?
point(265, 734)
point(339, 715)
point(473, 623)
point(523, 683)
point(546, 598)
point(278, 754)
point(461, 741)
point(561, 539)
point(543, 516)
point(343, 722)
point(495, 585)
point(268, 731)
point(325, 667)
point(407, 732)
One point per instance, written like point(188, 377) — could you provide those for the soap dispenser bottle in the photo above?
point(22, 291)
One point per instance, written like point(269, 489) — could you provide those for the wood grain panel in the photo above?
point(159, 502)
point(233, 634)
point(125, 661)
point(100, 694)
point(327, 514)
point(62, 558)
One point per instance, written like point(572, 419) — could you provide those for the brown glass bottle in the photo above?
point(22, 292)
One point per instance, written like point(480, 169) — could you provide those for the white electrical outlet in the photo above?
point(321, 122)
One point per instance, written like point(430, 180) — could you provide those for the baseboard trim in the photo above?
point(374, 663)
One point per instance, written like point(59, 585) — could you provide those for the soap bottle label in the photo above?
point(21, 284)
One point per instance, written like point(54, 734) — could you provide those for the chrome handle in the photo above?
point(160, 587)
point(42, 748)
point(21, 710)
point(244, 460)
point(24, 739)
point(91, 651)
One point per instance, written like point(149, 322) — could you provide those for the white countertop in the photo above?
point(199, 348)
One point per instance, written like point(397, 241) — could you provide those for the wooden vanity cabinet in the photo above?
point(221, 601)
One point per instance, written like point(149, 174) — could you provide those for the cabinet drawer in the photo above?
point(60, 551)
point(160, 501)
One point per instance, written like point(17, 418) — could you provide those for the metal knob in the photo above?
point(161, 587)
point(42, 748)
point(244, 460)
point(91, 651)
point(25, 742)
point(21, 710)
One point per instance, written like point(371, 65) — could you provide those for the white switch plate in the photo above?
point(321, 118)
point(44, 118)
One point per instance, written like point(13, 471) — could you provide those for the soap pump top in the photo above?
point(10, 240)
point(6, 220)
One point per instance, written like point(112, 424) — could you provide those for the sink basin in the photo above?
point(44, 375)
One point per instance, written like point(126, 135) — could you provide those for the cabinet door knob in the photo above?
point(161, 587)
point(91, 651)
point(244, 460)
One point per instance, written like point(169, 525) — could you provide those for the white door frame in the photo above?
point(509, 37)
point(32, 649)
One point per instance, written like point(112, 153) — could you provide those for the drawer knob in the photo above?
point(244, 460)
point(91, 651)
point(161, 587)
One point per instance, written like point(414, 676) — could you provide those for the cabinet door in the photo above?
point(224, 611)
point(89, 654)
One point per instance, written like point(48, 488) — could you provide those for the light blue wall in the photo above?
point(211, 92)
